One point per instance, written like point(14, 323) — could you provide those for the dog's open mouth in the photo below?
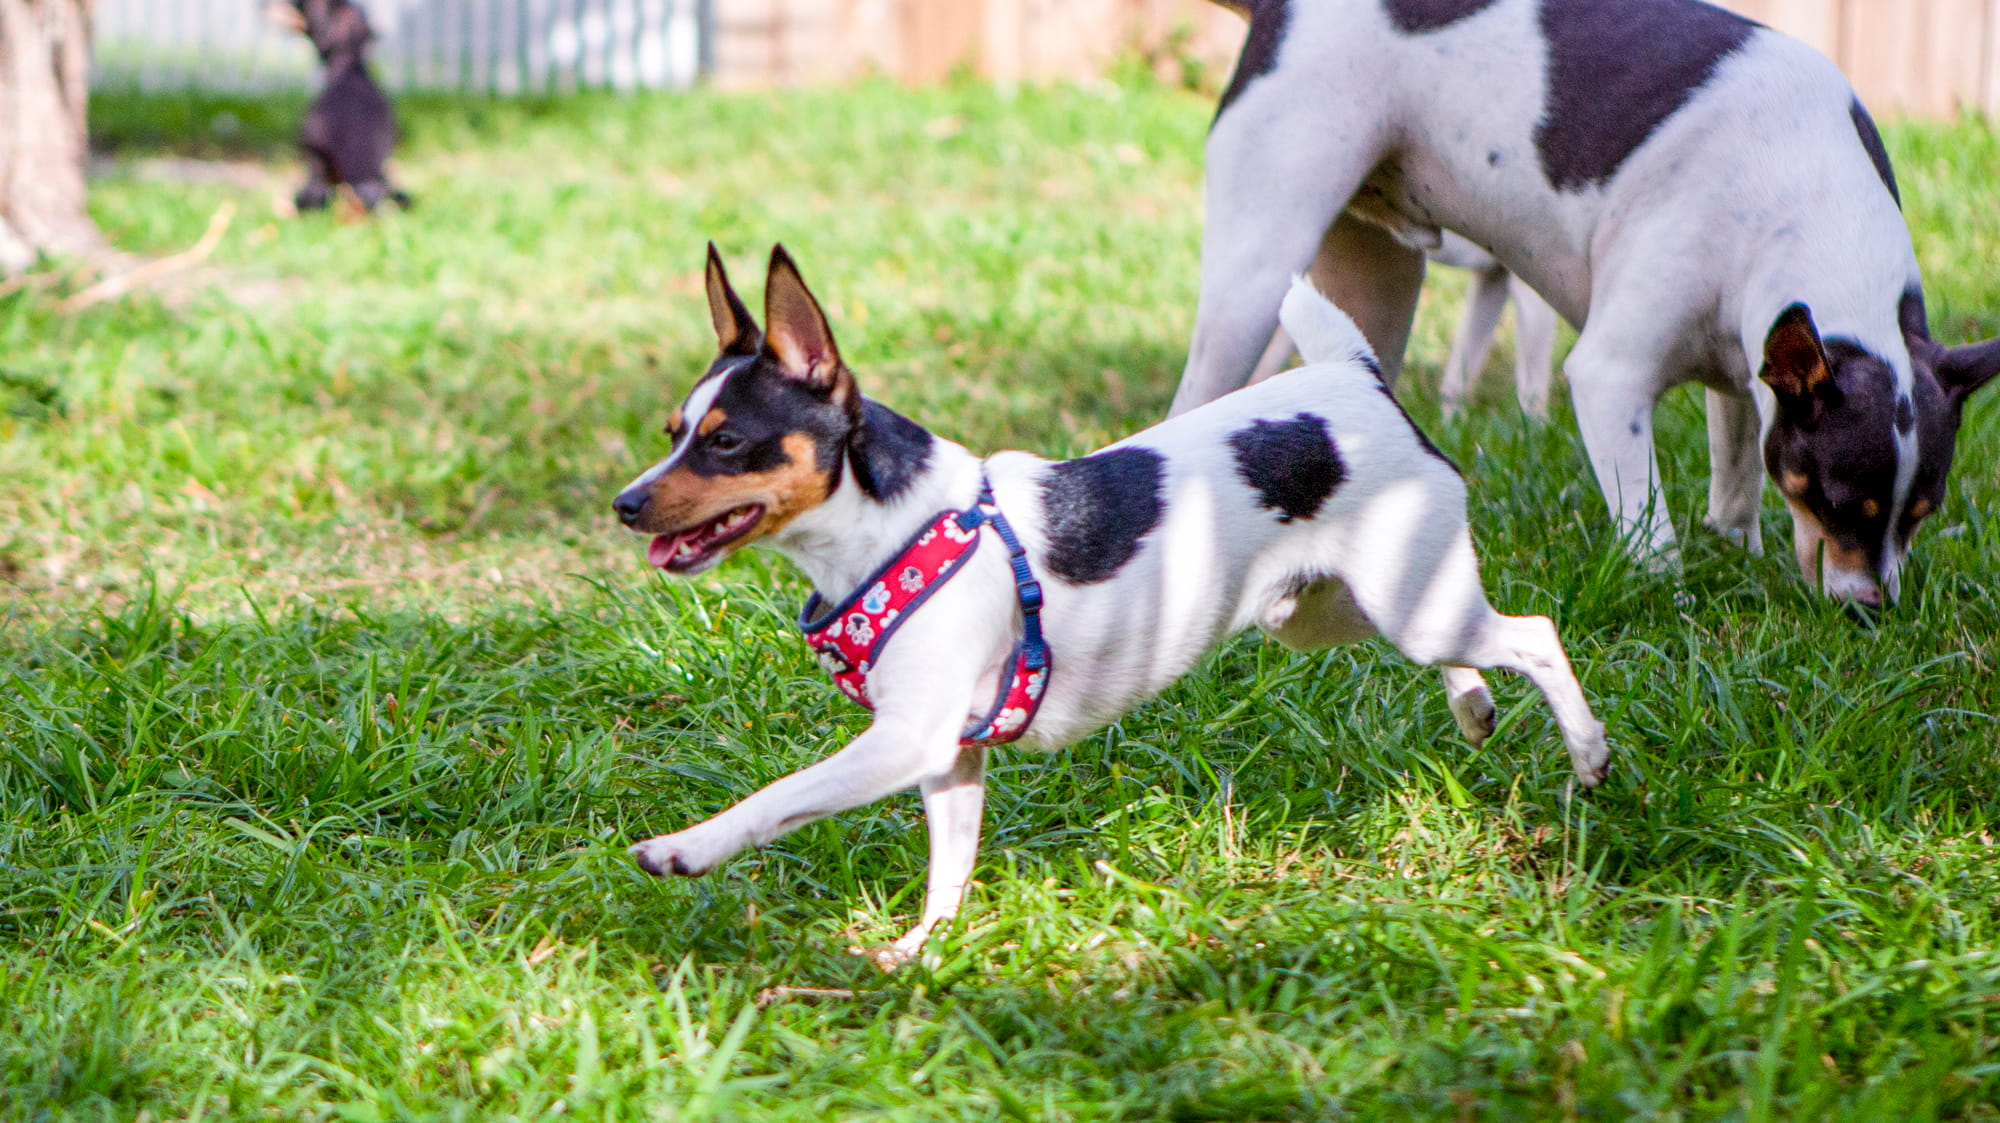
point(678, 553)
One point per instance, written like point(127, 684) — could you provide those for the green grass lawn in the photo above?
point(330, 695)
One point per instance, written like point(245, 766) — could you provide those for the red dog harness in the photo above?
point(849, 637)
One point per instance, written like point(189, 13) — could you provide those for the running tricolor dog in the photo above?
point(1038, 600)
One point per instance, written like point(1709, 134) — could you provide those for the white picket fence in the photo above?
point(495, 46)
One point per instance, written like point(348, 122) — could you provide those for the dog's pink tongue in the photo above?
point(661, 551)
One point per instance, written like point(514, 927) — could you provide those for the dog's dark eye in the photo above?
point(724, 441)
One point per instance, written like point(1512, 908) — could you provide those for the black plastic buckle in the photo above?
point(1031, 596)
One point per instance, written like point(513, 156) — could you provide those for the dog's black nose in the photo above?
point(630, 503)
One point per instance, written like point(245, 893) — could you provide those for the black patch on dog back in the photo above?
point(888, 451)
point(1871, 142)
point(1292, 464)
point(1414, 17)
point(1268, 21)
point(1617, 69)
point(1097, 510)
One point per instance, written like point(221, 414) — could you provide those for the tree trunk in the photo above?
point(44, 72)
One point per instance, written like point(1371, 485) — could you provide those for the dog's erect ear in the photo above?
point(796, 331)
point(735, 332)
point(1795, 364)
point(1961, 370)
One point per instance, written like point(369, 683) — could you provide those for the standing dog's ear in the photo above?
point(1962, 370)
point(798, 337)
point(735, 332)
point(1795, 365)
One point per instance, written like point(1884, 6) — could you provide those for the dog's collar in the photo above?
point(848, 638)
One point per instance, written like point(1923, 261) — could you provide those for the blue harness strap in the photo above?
point(849, 637)
point(1027, 590)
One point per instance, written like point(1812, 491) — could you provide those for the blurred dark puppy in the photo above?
point(351, 127)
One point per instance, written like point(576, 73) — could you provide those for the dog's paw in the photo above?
point(888, 957)
point(1740, 536)
point(1592, 759)
point(1476, 714)
point(671, 855)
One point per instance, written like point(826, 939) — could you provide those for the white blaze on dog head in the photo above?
point(762, 436)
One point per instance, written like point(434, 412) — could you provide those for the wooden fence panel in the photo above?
point(1924, 57)
point(1990, 99)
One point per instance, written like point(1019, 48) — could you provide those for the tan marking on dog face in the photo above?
point(1807, 535)
point(713, 420)
point(1920, 509)
point(1870, 508)
point(683, 500)
point(675, 423)
point(1793, 484)
point(1814, 548)
point(1845, 560)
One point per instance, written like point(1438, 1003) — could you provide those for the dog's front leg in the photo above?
point(953, 805)
point(1614, 398)
point(1735, 469)
point(890, 756)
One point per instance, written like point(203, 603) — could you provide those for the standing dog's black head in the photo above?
point(1859, 455)
point(337, 28)
point(761, 438)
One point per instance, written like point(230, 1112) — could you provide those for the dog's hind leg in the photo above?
point(1528, 645)
point(1325, 614)
point(1427, 600)
point(1277, 174)
point(953, 805)
point(1534, 348)
point(1484, 303)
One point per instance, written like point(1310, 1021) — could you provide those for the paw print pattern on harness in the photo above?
point(848, 638)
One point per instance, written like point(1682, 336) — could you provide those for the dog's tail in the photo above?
point(1321, 331)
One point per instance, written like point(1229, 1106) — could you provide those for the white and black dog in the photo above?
point(1705, 198)
point(1309, 506)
